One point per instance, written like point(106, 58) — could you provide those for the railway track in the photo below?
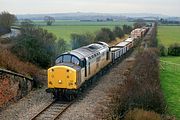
point(53, 111)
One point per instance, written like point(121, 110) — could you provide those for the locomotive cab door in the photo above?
point(86, 67)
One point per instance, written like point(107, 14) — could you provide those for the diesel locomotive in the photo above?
point(72, 69)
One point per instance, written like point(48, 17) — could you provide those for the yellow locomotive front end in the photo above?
point(62, 77)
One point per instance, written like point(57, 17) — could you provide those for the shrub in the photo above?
point(105, 35)
point(127, 29)
point(162, 50)
point(140, 114)
point(174, 49)
point(118, 32)
point(35, 45)
point(79, 40)
point(11, 62)
point(61, 46)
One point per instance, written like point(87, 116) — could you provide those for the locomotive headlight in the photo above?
point(60, 81)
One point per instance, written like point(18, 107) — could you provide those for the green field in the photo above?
point(66, 31)
point(170, 75)
point(170, 82)
point(64, 28)
point(168, 35)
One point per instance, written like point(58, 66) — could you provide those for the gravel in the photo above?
point(27, 106)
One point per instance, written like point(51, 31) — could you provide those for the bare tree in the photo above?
point(49, 20)
point(6, 21)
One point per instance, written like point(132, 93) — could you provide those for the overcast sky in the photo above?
point(166, 7)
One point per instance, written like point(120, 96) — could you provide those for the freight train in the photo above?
point(74, 68)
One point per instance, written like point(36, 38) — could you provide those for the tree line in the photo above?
point(165, 21)
point(104, 35)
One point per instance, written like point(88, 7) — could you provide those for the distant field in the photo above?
point(170, 75)
point(64, 29)
point(168, 35)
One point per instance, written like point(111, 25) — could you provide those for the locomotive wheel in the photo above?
point(56, 94)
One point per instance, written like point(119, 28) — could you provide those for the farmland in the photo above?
point(170, 74)
point(168, 35)
point(64, 28)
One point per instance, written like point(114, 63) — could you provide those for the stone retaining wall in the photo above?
point(13, 88)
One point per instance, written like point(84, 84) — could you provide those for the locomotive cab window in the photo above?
point(75, 60)
point(67, 58)
point(59, 60)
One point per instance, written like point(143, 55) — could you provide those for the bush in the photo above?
point(140, 114)
point(61, 46)
point(105, 35)
point(127, 29)
point(11, 62)
point(174, 50)
point(162, 50)
point(79, 40)
point(35, 45)
point(118, 32)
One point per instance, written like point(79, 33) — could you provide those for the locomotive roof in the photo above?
point(88, 50)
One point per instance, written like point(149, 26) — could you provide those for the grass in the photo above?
point(168, 35)
point(170, 76)
point(170, 82)
point(64, 28)
point(172, 59)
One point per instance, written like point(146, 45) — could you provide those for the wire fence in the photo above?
point(169, 66)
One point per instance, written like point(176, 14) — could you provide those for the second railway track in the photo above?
point(53, 111)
